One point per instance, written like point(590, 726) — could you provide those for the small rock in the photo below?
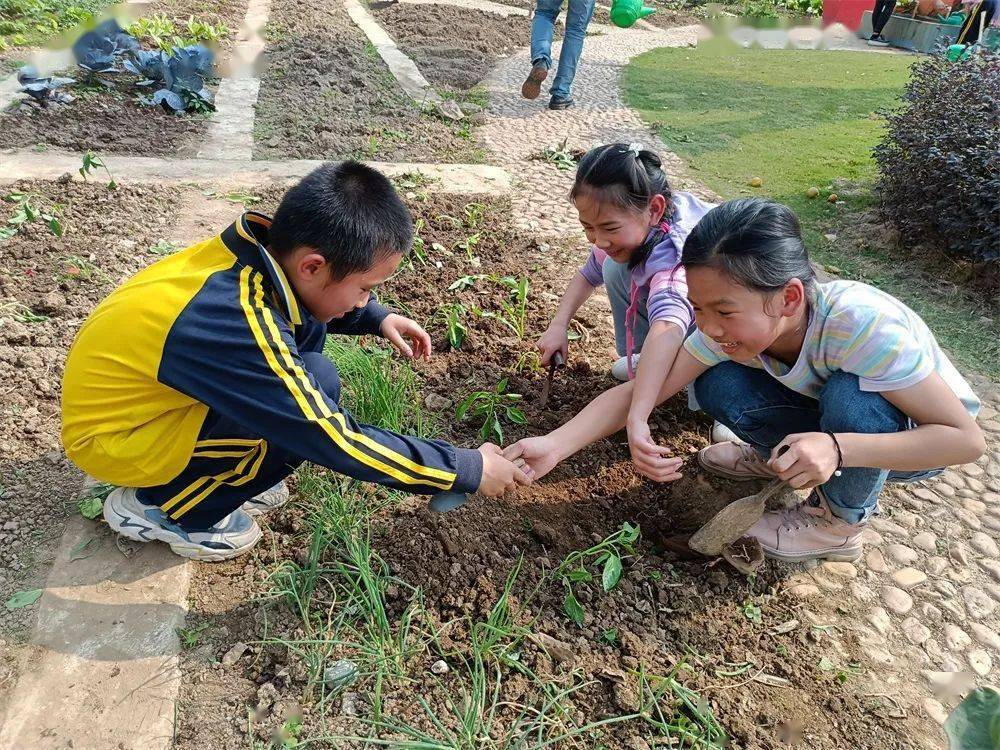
point(907, 578)
point(915, 632)
point(926, 541)
point(803, 590)
point(436, 402)
point(558, 650)
point(980, 662)
point(986, 636)
point(340, 674)
point(885, 526)
point(871, 537)
point(978, 602)
point(992, 567)
point(267, 694)
point(349, 704)
point(984, 545)
point(901, 554)
point(936, 565)
point(876, 561)
point(955, 638)
point(440, 667)
point(839, 569)
point(880, 620)
point(52, 302)
point(233, 655)
point(897, 600)
point(959, 553)
point(935, 710)
point(929, 613)
point(968, 518)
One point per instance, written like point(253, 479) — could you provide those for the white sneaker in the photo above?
point(234, 535)
point(619, 370)
point(267, 500)
point(722, 434)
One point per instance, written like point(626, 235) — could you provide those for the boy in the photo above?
point(200, 382)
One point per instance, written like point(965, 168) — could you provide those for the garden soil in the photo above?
point(668, 609)
point(325, 93)
point(454, 48)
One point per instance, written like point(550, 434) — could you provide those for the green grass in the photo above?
point(796, 119)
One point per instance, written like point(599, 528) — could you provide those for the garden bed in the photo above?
point(326, 94)
point(455, 48)
point(475, 587)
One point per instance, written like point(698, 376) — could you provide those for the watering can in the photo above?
point(624, 13)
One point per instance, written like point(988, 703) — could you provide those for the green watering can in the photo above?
point(624, 13)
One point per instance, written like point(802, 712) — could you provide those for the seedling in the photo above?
point(490, 406)
point(92, 162)
point(513, 310)
point(164, 247)
point(465, 282)
point(564, 158)
point(607, 555)
point(28, 212)
point(609, 636)
point(19, 312)
point(468, 245)
point(528, 362)
point(451, 314)
point(190, 637)
point(242, 196)
point(77, 267)
point(752, 612)
point(419, 252)
point(474, 213)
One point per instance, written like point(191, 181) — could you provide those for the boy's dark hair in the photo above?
point(754, 241)
point(623, 176)
point(627, 176)
point(347, 212)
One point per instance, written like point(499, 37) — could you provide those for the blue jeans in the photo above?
point(762, 411)
point(578, 15)
point(618, 284)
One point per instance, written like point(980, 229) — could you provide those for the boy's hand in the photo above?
point(810, 460)
point(538, 454)
point(651, 460)
point(499, 473)
point(555, 339)
point(396, 327)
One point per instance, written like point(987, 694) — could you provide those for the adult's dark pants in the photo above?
point(881, 14)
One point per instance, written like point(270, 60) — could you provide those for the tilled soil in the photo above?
point(454, 47)
point(326, 94)
point(668, 609)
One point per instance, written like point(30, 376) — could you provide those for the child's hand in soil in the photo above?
point(500, 473)
point(396, 328)
point(810, 460)
point(538, 453)
point(651, 460)
point(555, 339)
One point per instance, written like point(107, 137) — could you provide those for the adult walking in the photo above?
point(880, 17)
point(578, 15)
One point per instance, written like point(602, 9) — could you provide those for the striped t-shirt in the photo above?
point(858, 329)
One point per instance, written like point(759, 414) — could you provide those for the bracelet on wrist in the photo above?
point(840, 454)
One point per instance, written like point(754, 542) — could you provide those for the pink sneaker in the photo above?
point(807, 532)
point(734, 461)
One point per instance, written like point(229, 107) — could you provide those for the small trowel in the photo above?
point(556, 361)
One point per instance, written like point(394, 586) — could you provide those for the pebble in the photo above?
point(984, 544)
point(935, 710)
point(803, 590)
point(840, 569)
point(949, 681)
point(936, 565)
point(929, 613)
point(986, 636)
point(897, 600)
point(233, 655)
point(968, 518)
point(901, 554)
point(871, 537)
point(914, 631)
point(959, 553)
point(974, 506)
point(926, 541)
point(440, 667)
point(908, 519)
point(980, 662)
point(952, 478)
point(880, 620)
point(885, 526)
point(876, 561)
point(925, 494)
point(978, 602)
point(992, 567)
point(907, 578)
point(944, 490)
point(955, 638)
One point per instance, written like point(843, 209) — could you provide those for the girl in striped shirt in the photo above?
point(836, 387)
point(637, 227)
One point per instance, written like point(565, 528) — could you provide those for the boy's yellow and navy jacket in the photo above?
point(217, 326)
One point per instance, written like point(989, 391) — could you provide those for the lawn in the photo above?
point(798, 119)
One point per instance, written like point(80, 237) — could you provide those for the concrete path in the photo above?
point(101, 670)
point(929, 583)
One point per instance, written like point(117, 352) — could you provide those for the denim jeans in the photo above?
point(618, 283)
point(578, 15)
point(762, 411)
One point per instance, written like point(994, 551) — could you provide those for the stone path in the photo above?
point(929, 583)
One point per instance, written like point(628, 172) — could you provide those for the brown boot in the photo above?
point(532, 85)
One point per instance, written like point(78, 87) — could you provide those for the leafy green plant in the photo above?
point(451, 315)
point(468, 246)
point(79, 268)
point(419, 252)
point(244, 197)
point(164, 247)
point(22, 599)
point(27, 211)
point(191, 637)
point(607, 555)
point(20, 312)
point(514, 310)
point(161, 32)
point(465, 282)
point(564, 158)
point(92, 162)
point(474, 214)
point(752, 612)
point(527, 362)
point(492, 407)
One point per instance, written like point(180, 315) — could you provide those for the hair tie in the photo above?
point(635, 148)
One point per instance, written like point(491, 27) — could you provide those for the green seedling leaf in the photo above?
point(975, 723)
point(55, 226)
point(23, 599)
point(90, 507)
point(580, 575)
point(84, 549)
point(516, 416)
point(826, 665)
point(629, 533)
point(573, 608)
point(612, 572)
point(609, 636)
